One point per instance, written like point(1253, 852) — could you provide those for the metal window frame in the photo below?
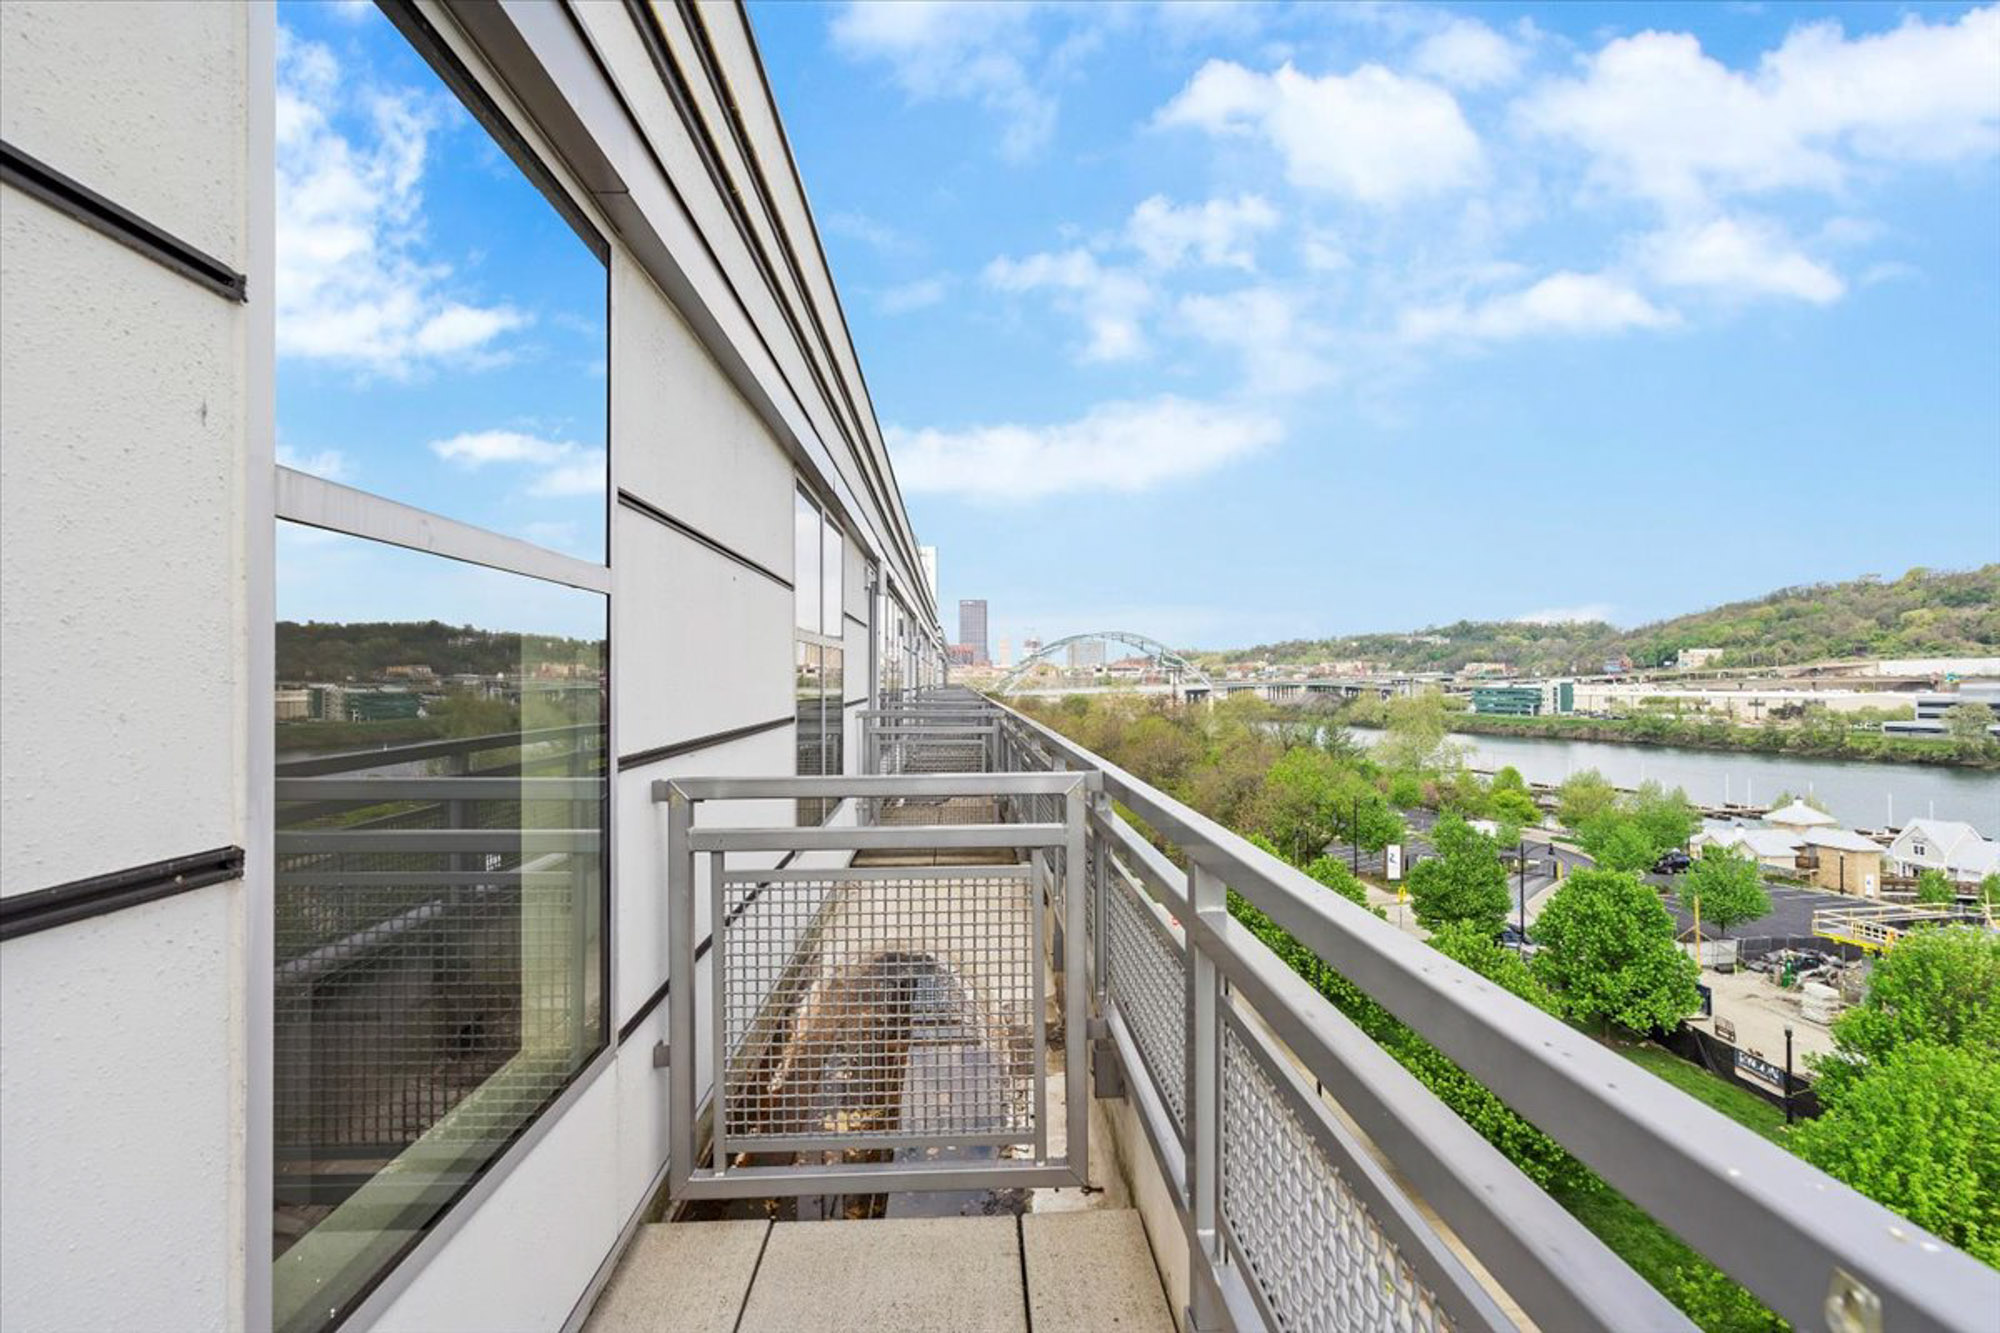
point(275, 493)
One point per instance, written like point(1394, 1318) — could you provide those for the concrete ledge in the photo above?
point(681, 1277)
point(957, 1273)
point(1091, 1271)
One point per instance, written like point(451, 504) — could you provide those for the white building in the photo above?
point(711, 556)
point(1958, 849)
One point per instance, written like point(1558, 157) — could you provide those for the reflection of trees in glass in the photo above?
point(366, 650)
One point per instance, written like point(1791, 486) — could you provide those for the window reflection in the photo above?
point(442, 326)
point(440, 891)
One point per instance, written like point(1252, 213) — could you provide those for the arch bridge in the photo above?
point(1182, 675)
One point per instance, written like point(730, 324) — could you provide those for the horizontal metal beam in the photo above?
point(877, 785)
point(440, 789)
point(913, 837)
point(756, 1182)
point(867, 874)
point(523, 840)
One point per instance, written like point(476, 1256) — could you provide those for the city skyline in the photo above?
point(1288, 320)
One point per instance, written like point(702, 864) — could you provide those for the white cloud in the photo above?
point(910, 296)
point(1562, 303)
point(1219, 232)
point(1465, 53)
point(1741, 258)
point(979, 50)
point(351, 286)
point(1372, 135)
point(1281, 349)
point(1109, 301)
point(1661, 119)
point(565, 469)
point(1119, 447)
point(585, 476)
point(328, 463)
point(1567, 615)
point(475, 449)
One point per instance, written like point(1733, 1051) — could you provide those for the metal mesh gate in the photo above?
point(878, 1006)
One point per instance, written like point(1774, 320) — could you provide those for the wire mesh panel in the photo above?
point(862, 1006)
point(1146, 980)
point(1316, 1258)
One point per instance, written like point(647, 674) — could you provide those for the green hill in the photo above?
point(1925, 613)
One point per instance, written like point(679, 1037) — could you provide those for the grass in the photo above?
point(1745, 1108)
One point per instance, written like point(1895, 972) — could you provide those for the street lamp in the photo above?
point(1788, 1073)
point(1521, 879)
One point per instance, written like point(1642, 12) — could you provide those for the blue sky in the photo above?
point(441, 336)
point(1229, 323)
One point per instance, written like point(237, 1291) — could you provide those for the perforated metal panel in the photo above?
point(1146, 980)
point(1316, 1259)
point(863, 1007)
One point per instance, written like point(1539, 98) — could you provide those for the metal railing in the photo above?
point(874, 1026)
point(1256, 1096)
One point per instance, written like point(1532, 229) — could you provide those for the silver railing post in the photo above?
point(1076, 997)
point(1207, 897)
point(680, 991)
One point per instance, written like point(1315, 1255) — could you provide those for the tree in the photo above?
point(1335, 875)
point(1967, 725)
point(1300, 803)
point(1940, 983)
point(1607, 949)
point(1414, 742)
point(1472, 946)
point(1463, 882)
point(1920, 1133)
point(1583, 796)
point(1667, 818)
point(1989, 889)
point(1617, 843)
point(1512, 805)
point(1725, 888)
point(1935, 887)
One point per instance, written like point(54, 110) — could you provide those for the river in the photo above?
point(1860, 793)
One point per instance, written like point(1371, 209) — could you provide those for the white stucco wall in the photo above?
point(118, 725)
point(118, 1152)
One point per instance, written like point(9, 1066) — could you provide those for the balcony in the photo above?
point(979, 985)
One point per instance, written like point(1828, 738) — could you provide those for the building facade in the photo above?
point(972, 630)
point(250, 1084)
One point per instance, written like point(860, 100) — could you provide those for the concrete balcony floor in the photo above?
point(1056, 1272)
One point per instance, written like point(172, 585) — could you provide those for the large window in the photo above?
point(442, 777)
point(819, 605)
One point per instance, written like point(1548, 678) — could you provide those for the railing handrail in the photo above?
point(344, 761)
point(1781, 1227)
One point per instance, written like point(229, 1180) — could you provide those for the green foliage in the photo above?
point(336, 651)
point(1989, 889)
point(1583, 796)
point(1300, 808)
point(1714, 1302)
point(1934, 887)
point(1726, 889)
point(1512, 806)
point(1608, 951)
point(1415, 742)
point(1920, 1133)
point(1473, 946)
point(1616, 843)
point(1967, 725)
point(1939, 984)
point(1464, 882)
point(1405, 791)
point(1632, 832)
point(1336, 876)
point(1538, 1156)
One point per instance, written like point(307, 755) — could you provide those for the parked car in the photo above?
point(1672, 862)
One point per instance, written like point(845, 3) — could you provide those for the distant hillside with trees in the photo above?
point(334, 651)
point(1924, 613)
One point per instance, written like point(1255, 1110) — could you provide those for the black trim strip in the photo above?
point(79, 900)
point(641, 758)
point(851, 702)
point(688, 530)
point(31, 175)
point(856, 619)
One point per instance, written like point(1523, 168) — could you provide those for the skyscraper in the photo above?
point(972, 630)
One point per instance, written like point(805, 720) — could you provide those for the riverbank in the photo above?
point(1814, 743)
